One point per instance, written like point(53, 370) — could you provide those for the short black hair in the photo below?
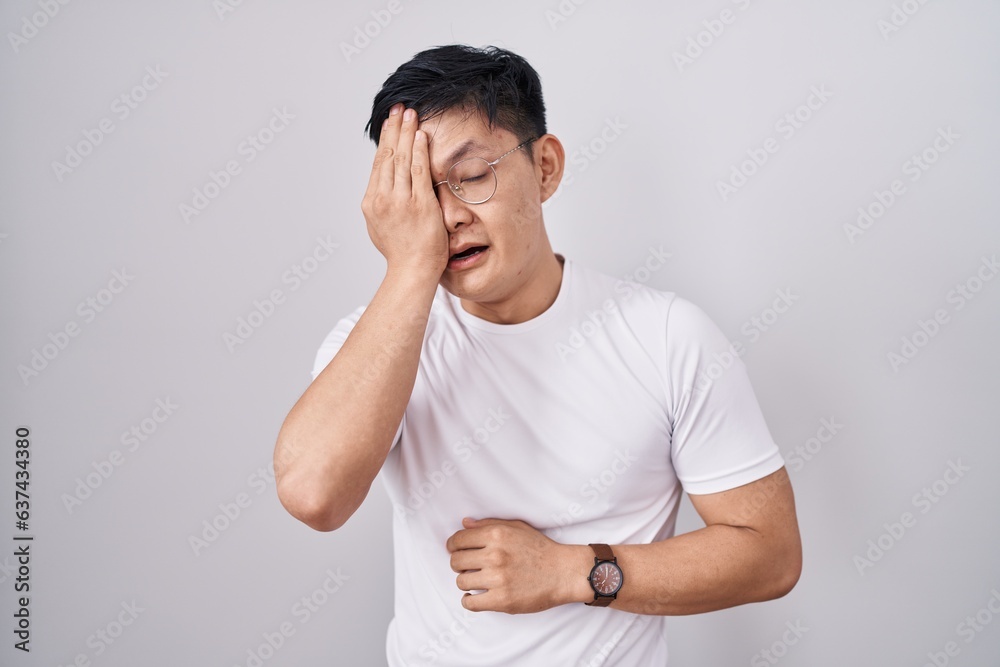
point(497, 83)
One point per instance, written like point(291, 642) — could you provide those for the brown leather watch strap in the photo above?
point(603, 552)
point(600, 601)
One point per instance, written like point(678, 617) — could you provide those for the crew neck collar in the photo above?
point(521, 327)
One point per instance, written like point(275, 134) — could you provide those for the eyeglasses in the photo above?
point(474, 180)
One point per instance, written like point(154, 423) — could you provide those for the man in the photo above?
point(522, 408)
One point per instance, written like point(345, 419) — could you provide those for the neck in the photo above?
point(535, 295)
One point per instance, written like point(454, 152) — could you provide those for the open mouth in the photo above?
point(469, 252)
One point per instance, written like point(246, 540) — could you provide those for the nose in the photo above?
point(455, 211)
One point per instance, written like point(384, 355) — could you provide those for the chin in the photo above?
point(463, 287)
point(475, 286)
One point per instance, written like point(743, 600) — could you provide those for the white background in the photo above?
point(685, 127)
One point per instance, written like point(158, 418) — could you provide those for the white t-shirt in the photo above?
point(587, 422)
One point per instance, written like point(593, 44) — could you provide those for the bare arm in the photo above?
point(748, 551)
point(337, 436)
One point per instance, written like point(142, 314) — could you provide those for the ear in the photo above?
point(550, 160)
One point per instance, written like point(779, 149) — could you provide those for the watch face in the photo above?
point(606, 578)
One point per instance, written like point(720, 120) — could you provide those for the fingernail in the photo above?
point(409, 114)
point(396, 108)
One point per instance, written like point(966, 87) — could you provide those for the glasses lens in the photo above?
point(473, 180)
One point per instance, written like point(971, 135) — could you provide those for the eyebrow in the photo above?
point(463, 149)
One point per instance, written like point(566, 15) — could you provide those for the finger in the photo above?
point(469, 522)
point(472, 581)
point(383, 153)
point(479, 602)
point(449, 544)
point(390, 140)
point(467, 538)
point(466, 559)
point(404, 150)
point(420, 167)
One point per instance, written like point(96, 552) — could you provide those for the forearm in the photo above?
point(749, 551)
point(337, 436)
point(717, 567)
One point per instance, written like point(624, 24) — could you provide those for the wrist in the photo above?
point(415, 285)
point(577, 561)
point(415, 274)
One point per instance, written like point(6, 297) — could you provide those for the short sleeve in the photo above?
point(332, 344)
point(719, 437)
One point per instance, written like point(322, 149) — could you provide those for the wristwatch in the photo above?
point(605, 577)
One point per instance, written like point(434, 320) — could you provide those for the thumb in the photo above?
point(469, 522)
